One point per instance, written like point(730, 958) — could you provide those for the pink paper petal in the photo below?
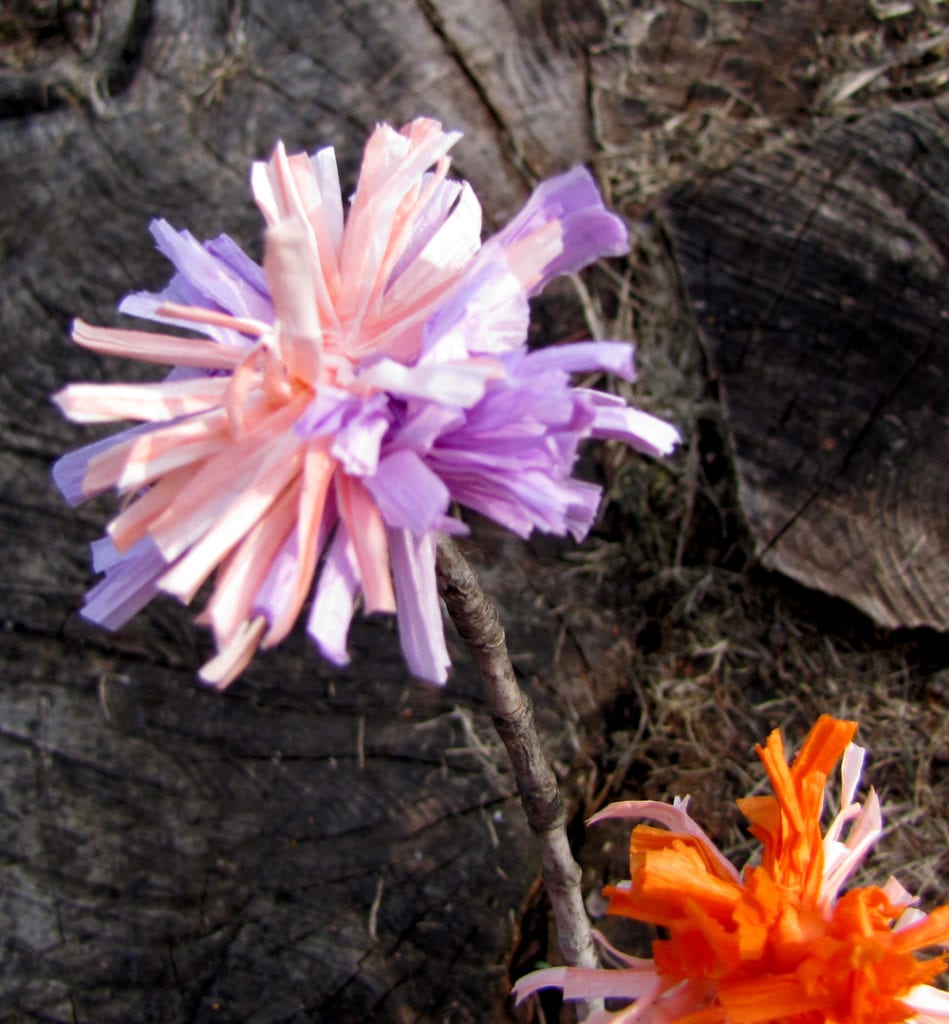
point(102, 403)
point(312, 529)
point(368, 534)
point(155, 348)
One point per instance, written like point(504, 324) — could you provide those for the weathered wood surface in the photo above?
point(818, 274)
point(311, 845)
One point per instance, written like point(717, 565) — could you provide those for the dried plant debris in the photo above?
point(705, 651)
point(680, 90)
point(29, 26)
point(77, 52)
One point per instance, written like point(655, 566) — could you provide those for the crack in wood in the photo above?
point(834, 477)
point(437, 23)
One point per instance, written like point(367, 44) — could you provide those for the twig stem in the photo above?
point(476, 618)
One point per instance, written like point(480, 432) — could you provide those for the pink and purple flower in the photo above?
point(373, 371)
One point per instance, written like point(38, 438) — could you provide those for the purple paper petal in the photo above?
point(225, 249)
point(105, 554)
point(590, 231)
point(357, 444)
point(640, 430)
point(486, 312)
point(614, 357)
point(420, 617)
point(213, 278)
point(409, 495)
point(216, 275)
point(335, 599)
point(512, 455)
point(582, 508)
point(278, 587)
point(330, 409)
point(130, 583)
point(524, 501)
point(69, 471)
point(423, 424)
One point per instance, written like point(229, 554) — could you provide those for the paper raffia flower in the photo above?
point(370, 373)
point(778, 943)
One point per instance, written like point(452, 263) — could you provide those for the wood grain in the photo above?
point(313, 845)
point(818, 278)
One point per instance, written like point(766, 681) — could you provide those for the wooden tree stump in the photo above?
point(311, 845)
point(818, 278)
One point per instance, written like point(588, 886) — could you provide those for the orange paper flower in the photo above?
point(777, 944)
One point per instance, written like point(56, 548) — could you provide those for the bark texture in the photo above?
point(348, 846)
point(818, 278)
point(311, 845)
point(476, 619)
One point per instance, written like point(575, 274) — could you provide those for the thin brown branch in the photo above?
point(476, 618)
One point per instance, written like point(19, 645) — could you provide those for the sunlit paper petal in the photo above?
point(374, 370)
point(775, 944)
